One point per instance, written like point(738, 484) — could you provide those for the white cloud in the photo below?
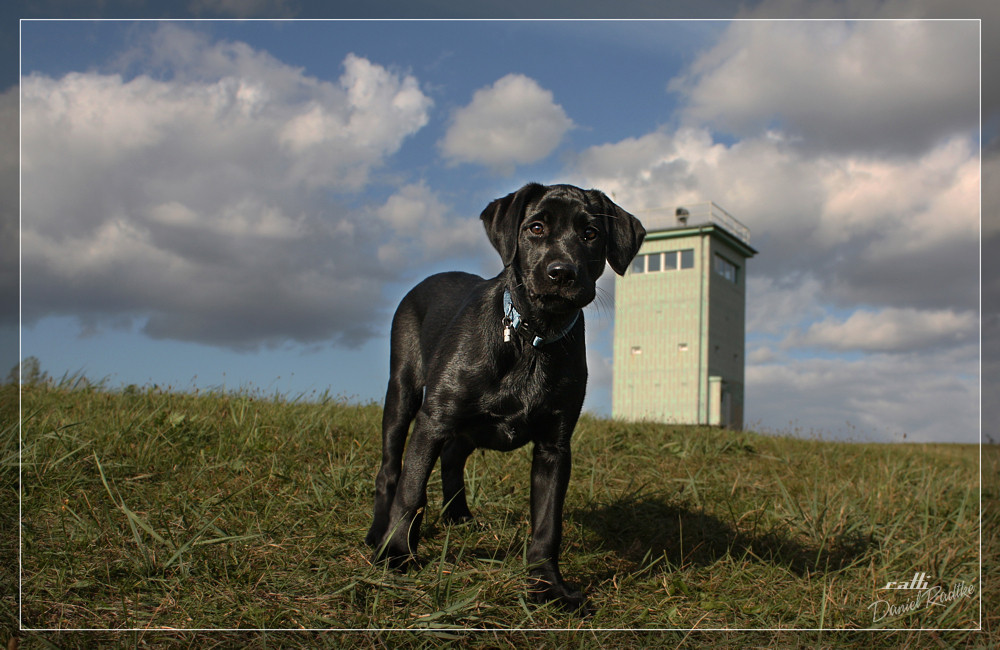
point(927, 200)
point(930, 10)
point(326, 134)
point(764, 182)
point(776, 304)
point(835, 232)
point(412, 209)
point(384, 108)
point(199, 202)
point(514, 121)
point(876, 397)
point(241, 218)
point(867, 224)
point(891, 330)
point(424, 229)
point(881, 86)
point(903, 231)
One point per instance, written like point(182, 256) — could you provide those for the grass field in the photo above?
point(146, 510)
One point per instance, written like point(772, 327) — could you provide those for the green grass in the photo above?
point(147, 510)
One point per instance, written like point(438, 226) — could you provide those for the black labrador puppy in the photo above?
point(496, 364)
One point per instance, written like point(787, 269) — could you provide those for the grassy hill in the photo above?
point(146, 510)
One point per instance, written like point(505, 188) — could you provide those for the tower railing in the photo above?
point(690, 215)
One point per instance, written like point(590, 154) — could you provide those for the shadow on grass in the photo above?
point(643, 528)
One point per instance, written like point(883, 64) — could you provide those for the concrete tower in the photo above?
point(680, 320)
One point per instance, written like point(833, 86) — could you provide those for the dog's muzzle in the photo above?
point(562, 274)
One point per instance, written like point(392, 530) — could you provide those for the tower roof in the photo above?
point(706, 217)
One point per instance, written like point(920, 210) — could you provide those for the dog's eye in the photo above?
point(537, 228)
point(590, 234)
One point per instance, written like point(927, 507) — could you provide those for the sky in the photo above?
point(242, 204)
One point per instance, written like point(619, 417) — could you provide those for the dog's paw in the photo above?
point(562, 593)
point(398, 560)
point(457, 517)
point(403, 562)
point(372, 538)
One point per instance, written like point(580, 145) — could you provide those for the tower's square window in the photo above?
point(726, 269)
point(639, 264)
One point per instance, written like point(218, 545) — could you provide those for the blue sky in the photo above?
point(242, 204)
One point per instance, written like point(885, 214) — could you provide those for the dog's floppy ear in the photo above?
point(502, 220)
point(625, 232)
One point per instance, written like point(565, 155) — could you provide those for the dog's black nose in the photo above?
point(561, 273)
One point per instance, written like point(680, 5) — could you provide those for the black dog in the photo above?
point(497, 364)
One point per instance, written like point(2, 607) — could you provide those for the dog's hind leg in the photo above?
point(403, 398)
point(399, 545)
point(401, 406)
point(453, 457)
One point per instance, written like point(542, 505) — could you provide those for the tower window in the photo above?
point(726, 269)
point(668, 261)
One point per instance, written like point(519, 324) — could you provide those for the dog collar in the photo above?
point(512, 320)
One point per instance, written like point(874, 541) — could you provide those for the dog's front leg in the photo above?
point(453, 457)
point(399, 545)
point(550, 470)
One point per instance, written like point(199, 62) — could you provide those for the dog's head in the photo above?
point(556, 238)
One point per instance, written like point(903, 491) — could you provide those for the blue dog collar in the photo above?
point(512, 319)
